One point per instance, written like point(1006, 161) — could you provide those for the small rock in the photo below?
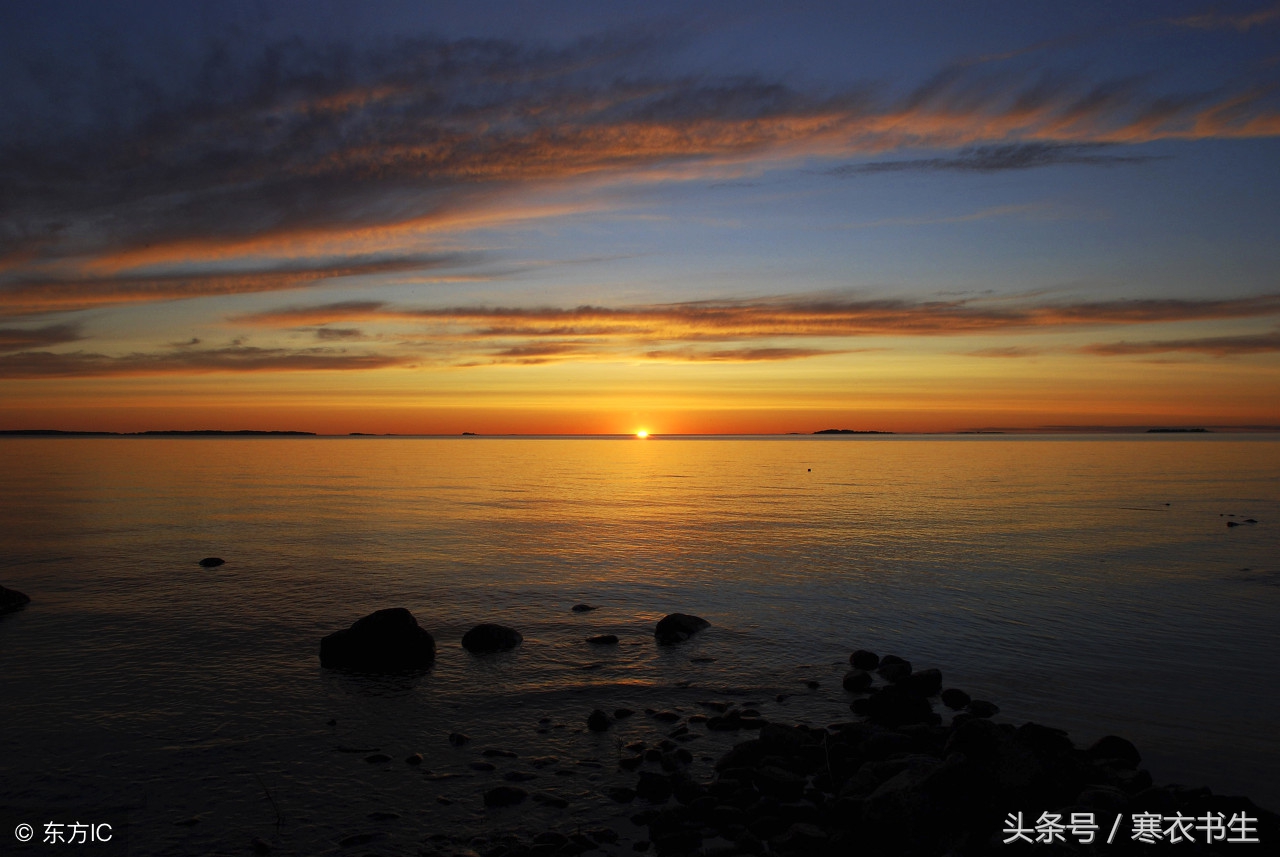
point(864, 660)
point(955, 699)
point(359, 839)
point(856, 681)
point(415, 759)
point(385, 641)
point(1115, 747)
point(677, 627)
point(983, 708)
point(212, 562)
point(519, 776)
point(481, 766)
point(546, 799)
point(500, 796)
point(377, 758)
point(260, 847)
point(622, 713)
point(894, 671)
point(924, 682)
point(488, 638)
point(11, 600)
point(582, 608)
point(604, 640)
point(598, 721)
point(457, 739)
point(494, 752)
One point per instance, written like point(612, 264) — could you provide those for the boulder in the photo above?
point(955, 699)
point(382, 642)
point(487, 638)
point(598, 721)
point(856, 681)
point(212, 561)
point(582, 608)
point(864, 660)
point(678, 627)
point(504, 796)
point(11, 600)
point(924, 682)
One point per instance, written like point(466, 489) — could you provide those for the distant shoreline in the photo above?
point(821, 435)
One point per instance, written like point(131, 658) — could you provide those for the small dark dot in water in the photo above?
point(810, 469)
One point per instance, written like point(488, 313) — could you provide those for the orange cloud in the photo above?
point(1216, 346)
point(1214, 20)
point(80, 364)
point(37, 296)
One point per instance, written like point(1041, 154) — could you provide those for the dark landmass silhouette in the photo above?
point(153, 433)
point(849, 431)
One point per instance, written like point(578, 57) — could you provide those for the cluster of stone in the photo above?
point(897, 781)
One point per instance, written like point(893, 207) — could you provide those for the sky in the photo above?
point(582, 218)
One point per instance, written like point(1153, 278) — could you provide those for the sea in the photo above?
point(1092, 583)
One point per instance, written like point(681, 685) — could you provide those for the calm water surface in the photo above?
point(1089, 583)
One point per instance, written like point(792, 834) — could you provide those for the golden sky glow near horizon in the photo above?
point(771, 224)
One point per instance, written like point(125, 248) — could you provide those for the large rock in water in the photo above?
point(679, 627)
point(382, 642)
point(11, 600)
point(487, 638)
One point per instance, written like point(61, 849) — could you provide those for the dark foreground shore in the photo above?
point(918, 768)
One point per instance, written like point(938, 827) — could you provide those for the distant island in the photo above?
point(154, 433)
point(1177, 431)
point(849, 431)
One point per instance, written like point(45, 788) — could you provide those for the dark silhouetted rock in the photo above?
point(598, 721)
point(1115, 747)
point(856, 681)
point(1233, 523)
point(982, 708)
point(504, 796)
point(894, 671)
point(457, 739)
point(678, 627)
point(604, 640)
point(415, 759)
point(893, 707)
point(488, 638)
point(924, 682)
point(864, 660)
point(955, 699)
point(212, 561)
point(385, 641)
point(11, 600)
point(582, 608)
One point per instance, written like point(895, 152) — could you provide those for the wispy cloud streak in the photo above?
point(81, 364)
point(1215, 346)
point(1243, 22)
point(313, 143)
point(23, 339)
point(725, 320)
point(33, 296)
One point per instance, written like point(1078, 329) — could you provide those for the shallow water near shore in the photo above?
point(1088, 583)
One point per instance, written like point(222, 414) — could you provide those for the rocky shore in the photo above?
point(918, 768)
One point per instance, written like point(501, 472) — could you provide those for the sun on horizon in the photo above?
point(642, 433)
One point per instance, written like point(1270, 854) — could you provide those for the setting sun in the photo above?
point(642, 434)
